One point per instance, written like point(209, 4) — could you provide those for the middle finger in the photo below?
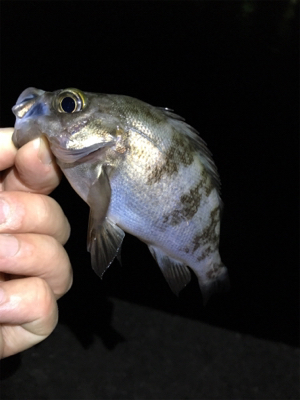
point(22, 212)
point(36, 255)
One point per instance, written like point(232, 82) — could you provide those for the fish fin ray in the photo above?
point(104, 244)
point(176, 274)
point(119, 254)
point(99, 196)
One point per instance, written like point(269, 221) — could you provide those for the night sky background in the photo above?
point(231, 69)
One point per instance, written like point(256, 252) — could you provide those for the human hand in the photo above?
point(34, 267)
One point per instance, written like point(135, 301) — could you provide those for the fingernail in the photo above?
point(4, 211)
point(9, 246)
point(44, 153)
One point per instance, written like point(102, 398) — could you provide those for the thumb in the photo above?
point(35, 169)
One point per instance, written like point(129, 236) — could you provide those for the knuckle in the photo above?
point(57, 269)
point(67, 282)
point(63, 278)
point(16, 213)
point(43, 209)
point(46, 311)
point(44, 314)
point(51, 215)
point(43, 300)
point(36, 213)
point(65, 232)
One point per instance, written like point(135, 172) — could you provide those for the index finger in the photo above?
point(7, 148)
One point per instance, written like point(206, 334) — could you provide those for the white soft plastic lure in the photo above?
point(142, 170)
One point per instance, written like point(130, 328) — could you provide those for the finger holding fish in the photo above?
point(32, 168)
point(35, 268)
point(8, 150)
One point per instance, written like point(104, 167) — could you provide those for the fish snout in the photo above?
point(27, 103)
point(28, 106)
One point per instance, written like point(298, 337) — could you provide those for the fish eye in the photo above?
point(69, 102)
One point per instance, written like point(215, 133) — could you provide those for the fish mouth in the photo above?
point(27, 105)
point(25, 133)
point(27, 108)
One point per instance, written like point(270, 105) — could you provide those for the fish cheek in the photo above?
point(84, 133)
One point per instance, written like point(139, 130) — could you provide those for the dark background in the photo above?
point(231, 70)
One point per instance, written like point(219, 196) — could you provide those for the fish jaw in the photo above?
point(26, 101)
point(35, 117)
point(26, 110)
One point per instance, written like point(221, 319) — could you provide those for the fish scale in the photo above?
point(142, 170)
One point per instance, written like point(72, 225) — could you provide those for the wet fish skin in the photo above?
point(142, 170)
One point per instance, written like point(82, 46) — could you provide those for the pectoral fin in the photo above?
point(176, 274)
point(104, 237)
point(104, 244)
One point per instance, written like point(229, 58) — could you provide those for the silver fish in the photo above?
point(142, 170)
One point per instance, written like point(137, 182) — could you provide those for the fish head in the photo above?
point(76, 123)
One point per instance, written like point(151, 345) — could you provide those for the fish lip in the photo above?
point(28, 94)
point(26, 101)
point(20, 110)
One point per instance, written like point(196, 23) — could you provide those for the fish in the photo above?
point(141, 169)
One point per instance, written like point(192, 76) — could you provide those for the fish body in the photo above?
point(142, 170)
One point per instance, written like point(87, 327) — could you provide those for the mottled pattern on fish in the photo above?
point(142, 170)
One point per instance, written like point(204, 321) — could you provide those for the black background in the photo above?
point(231, 70)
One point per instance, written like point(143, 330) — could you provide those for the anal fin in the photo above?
point(176, 274)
